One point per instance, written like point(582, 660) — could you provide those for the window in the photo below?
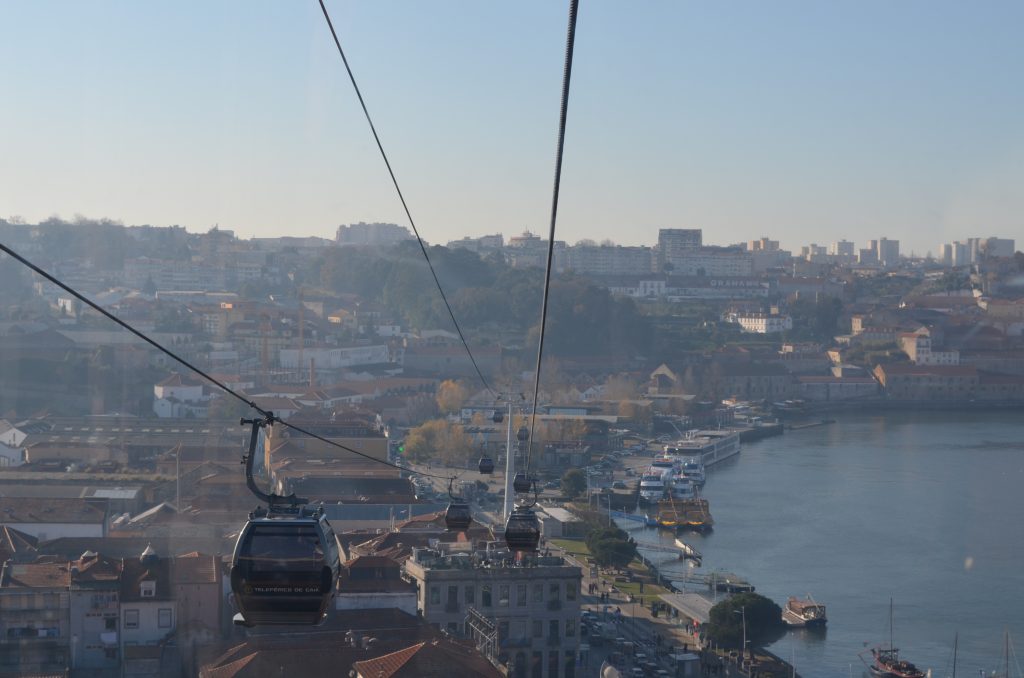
point(502, 631)
point(470, 594)
point(553, 629)
point(503, 592)
point(553, 664)
point(110, 623)
point(485, 595)
point(554, 591)
point(570, 590)
point(453, 597)
point(570, 628)
point(435, 595)
point(164, 617)
point(537, 664)
point(147, 589)
point(538, 593)
point(520, 595)
point(110, 652)
point(131, 619)
point(538, 628)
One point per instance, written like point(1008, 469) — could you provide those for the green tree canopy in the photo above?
point(611, 547)
point(574, 483)
point(763, 618)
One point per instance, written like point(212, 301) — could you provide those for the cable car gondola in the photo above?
point(498, 416)
point(522, 529)
point(521, 483)
point(286, 563)
point(486, 465)
point(285, 567)
point(457, 516)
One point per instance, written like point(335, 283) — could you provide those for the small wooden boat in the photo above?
point(804, 612)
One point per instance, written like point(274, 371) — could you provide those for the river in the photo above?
point(925, 508)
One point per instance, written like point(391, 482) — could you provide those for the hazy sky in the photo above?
point(807, 121)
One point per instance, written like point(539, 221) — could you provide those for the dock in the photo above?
point(691, 605)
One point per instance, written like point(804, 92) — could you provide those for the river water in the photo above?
point(925, 508)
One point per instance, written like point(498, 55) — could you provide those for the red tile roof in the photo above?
point(34, 575)
point(388, 665)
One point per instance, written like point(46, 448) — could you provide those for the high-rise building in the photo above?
point(371, 234)
point(998, 247)
point(888, 252)
point(842, 248)
point(763, 245)
point(675, 242)
point(946, 254)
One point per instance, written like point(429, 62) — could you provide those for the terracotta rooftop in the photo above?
point(389, 664)
point(177, 379)
point(93, 567)
point(34, 575)
point(195, 568)
point(31, 510)
point(14, 541)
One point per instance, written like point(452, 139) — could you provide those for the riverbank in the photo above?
point(633, 601)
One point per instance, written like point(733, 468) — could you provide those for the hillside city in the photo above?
point(121, 494)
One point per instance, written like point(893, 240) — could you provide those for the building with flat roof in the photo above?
point(533, 604)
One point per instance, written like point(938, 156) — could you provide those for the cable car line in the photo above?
point(570, 43)
point(401, 198)
point(267, 415)
point(522, 527)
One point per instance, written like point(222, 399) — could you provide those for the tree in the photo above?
point(438, 440)
point(763, 618)
point(451, 396)
point(574, 483)
point(611, 547)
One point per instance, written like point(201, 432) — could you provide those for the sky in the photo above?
point(802, 121)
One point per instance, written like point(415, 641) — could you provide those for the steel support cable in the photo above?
point(171, 354)
point(570, 42)
point(401, 198)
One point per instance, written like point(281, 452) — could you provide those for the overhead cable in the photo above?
point(216, 382)
point(570, 42)
point(401, 198)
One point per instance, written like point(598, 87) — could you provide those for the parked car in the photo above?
point(618, 485)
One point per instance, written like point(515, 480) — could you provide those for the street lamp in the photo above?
point(743, 611)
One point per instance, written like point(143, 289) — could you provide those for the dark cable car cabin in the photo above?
point(285, 568)
point(522, 530)
point(498, 416)
point(457, 516)
point(486, 465)
point(521, 483)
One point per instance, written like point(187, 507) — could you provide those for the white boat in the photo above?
point(688, 552)
point(707, 447)
point(682, 488)
point(652, 488)
point(664, 466)
point(693, 470)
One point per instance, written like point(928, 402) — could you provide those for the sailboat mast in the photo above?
point(956, 643)
point(892, 645)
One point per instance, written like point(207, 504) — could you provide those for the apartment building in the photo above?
point(534, 604)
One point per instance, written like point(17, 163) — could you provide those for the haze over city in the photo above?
point(750, 406)
point(806, 124)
